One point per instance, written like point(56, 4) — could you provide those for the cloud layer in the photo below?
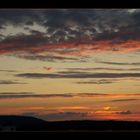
point(14, 95)
point(124, 100)
point(120, 63)
point(91, 115)
point(59, 33)
point(77, 75)
point(10, 82)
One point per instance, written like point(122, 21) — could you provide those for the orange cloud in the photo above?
point(70, 48)
point(72, 108)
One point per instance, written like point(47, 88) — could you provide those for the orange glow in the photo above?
point(80, 47)
point(106, 108)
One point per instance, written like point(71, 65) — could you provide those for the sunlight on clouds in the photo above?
point(66, 64)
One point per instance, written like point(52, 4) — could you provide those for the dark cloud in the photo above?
point(4, 95)
point(60, 18)
point(120, 63)
point(10, 82)
point(119, 37)
point(10, 95)
point(89, 19)
point(30, 114)
point(124, 100)
point(77, 75)
point(69, 32)
point(18, 17)
point(65, 116)
point(22, 42)
point(103, 68)
point(92, 94)
point(51, 58)
point(81, 26)
point(124, 112)
point(16, 95)
point(53, 20)
point(103, 81)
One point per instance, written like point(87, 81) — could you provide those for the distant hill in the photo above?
point(25, 123)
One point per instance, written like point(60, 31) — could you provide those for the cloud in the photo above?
point(105, 95)
point(77, 75)
point(124, 100)
point(16, 95)
point(48, 57)
point(72, 108)
point(127, 112)
point(92, 94)
point(66, 18)
point(68, 32)
point(30, 114)
point(120, 63)
point(78, 115)
point(9, 82)
point(106, 81)
point(38, 43)
point(18, 17)
point(59, 116)
point(107, 110)
point(22, 43)
point(102, 81)
point(58, 113)
point(105, 68)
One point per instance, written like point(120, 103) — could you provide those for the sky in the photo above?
point(70, 64)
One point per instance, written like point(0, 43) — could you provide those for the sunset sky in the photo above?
point(70, 64)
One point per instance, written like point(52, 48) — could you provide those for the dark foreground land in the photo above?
point(31, 124)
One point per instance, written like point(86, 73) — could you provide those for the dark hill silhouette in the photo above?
point(24, 123)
